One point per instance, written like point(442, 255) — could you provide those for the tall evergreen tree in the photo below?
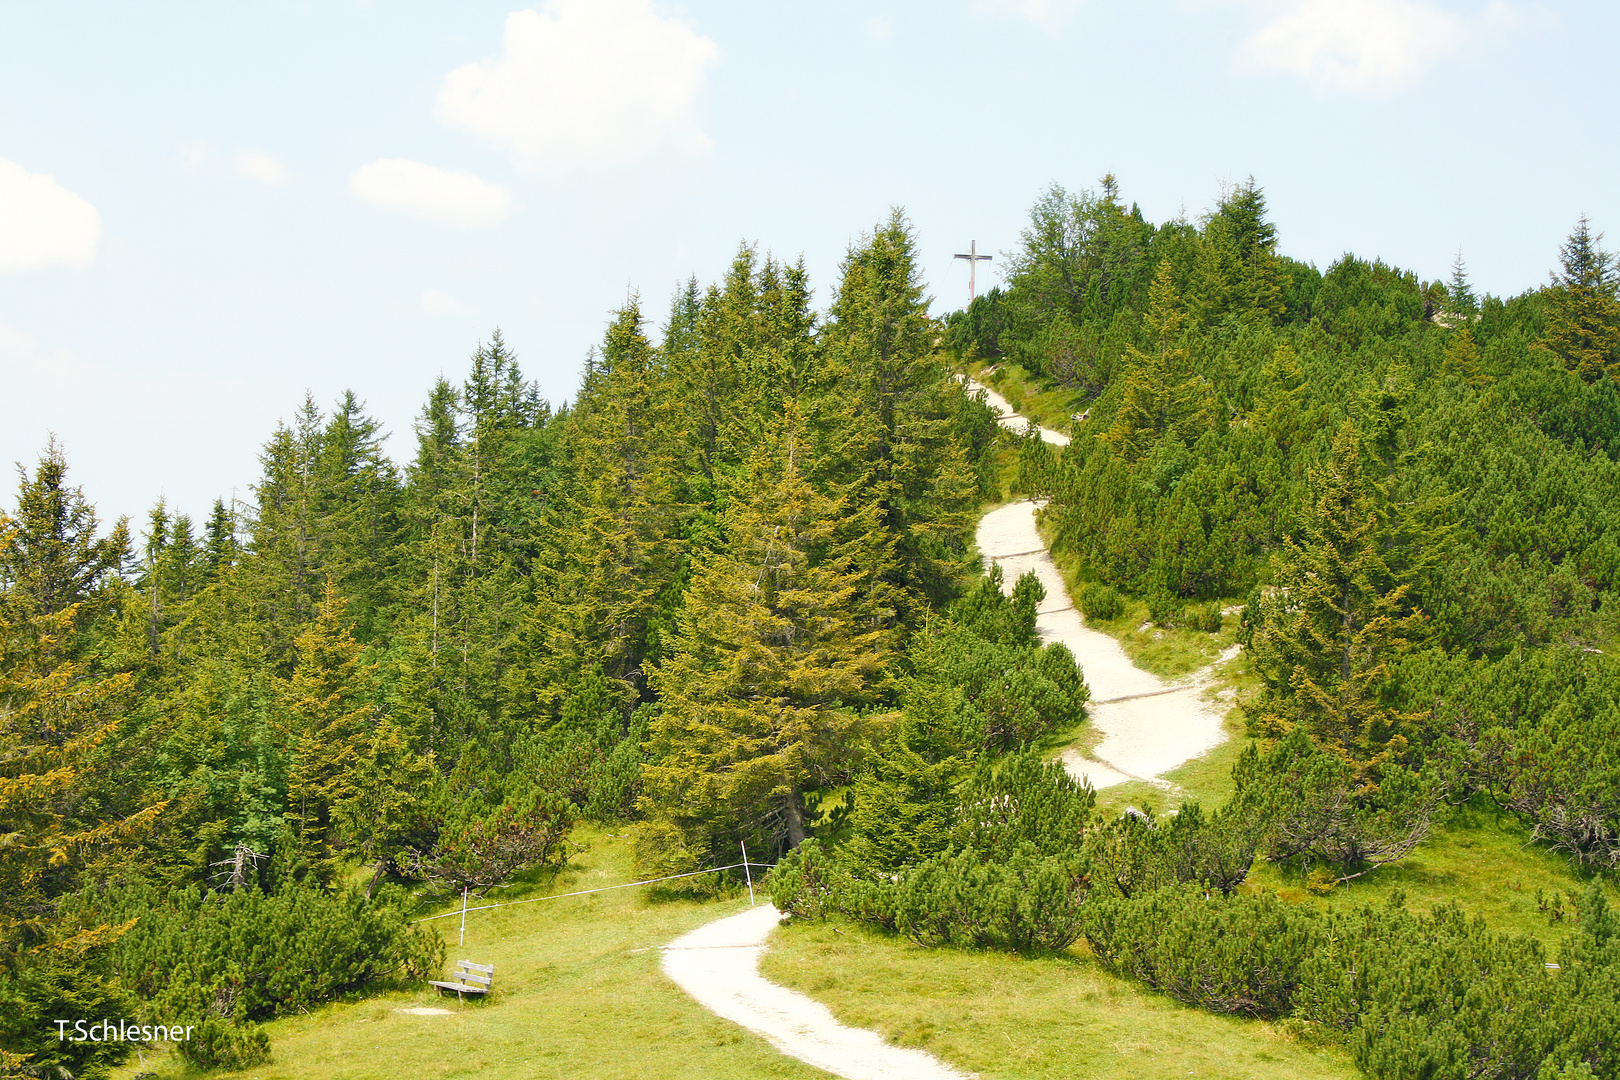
point(1237, 270)
point(762, 693)
point(1324, 638)
point(1583, 314)
point(616, 542)
point(890, 432)
point(1162, 395)
point(50, 557)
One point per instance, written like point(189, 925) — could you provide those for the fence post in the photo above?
point(747, 873)
point(463, 940)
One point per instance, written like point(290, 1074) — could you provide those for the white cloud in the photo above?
point(451, 198)
point(1047, 13)
point(43, 224)
point(584, 83)
point(1360, 46)
point(879, 28)
point(261, 167)
point(41, 383)
point(435, 302)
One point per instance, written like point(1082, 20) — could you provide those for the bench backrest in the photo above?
point(467, 972)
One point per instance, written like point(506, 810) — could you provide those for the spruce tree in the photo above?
point(761, 695)
point(327, 717)
point(1583, 315)
point(615, 537)
point(888, 435)
point(1162, 395)
point(1327, 632)
point(50, 557)
point(1237, 270)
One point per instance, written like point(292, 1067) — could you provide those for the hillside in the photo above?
point(729, 598)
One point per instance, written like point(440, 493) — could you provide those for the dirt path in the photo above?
point(718, 964)
point(1149, 726)
point(1007, 418)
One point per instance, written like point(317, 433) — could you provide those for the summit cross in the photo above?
point(973, 259)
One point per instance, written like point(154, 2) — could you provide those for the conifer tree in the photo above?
point(1461, 360)
point(1237, 270)
point(1461, 306)
point(1162, 395)
point(326, 721)
point(888, 433)
point(1325, 636)
point(220, 547)
point(50, 557)
point(1583, 318)
point(616, 540)
point(762, 692)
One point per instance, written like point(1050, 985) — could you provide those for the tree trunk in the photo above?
point(795, 818)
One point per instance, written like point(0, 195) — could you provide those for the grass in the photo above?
point(1482, 857)
point(578, 992)
point(1008, 1017)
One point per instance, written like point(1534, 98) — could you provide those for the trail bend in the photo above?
point(718, 964)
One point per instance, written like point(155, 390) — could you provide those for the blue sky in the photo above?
point(206, 210)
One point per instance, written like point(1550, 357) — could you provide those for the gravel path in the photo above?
point(1149, 726)
point(719, 965)
point(1009, 419)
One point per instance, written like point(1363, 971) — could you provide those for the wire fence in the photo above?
point(745, 866)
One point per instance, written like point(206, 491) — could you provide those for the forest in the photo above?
point(729, 596)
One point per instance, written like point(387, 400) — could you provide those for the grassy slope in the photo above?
point(1005, 1017)
point(579, 993)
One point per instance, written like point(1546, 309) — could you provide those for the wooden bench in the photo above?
point(470, 978)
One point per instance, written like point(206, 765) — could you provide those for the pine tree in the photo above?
point(1583, 317)
point(762, 691)
point(1162, 396)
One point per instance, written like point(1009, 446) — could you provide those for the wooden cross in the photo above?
point(973, 259)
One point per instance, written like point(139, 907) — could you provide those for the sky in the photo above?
point(208, 211)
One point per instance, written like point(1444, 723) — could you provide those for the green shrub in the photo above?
point(218, 1045)
point(1099, 602)
point(1023, 902)
point(250, 956)
point(1164, 609)
point(1227, 954)
point(802, 883)
point(1136, 853)
point(1205, 618)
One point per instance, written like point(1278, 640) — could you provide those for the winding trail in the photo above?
point(1149, 727)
